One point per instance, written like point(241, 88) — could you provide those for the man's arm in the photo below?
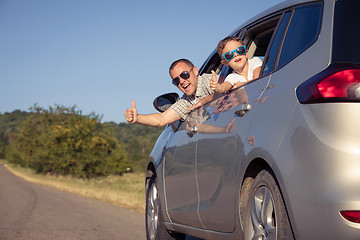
point(154, 120)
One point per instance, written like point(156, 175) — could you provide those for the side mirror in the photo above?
point(163, 102)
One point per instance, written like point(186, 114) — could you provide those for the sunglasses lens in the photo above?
point(241, 50)
point(176, 81)
point(229, 55)
point(185, 75)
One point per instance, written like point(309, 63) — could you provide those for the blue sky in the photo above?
point(101, 54)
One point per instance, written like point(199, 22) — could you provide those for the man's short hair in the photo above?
point(183, 60)
point(221, 45)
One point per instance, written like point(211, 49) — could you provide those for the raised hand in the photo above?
point(131, 114)
point(213, 81)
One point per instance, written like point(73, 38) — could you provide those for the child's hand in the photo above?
point(213, 81)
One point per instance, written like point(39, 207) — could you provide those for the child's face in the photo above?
point(239, 62)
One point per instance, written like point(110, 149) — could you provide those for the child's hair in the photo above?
point(220, 47)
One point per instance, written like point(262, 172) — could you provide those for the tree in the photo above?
point(61, 140)
point(8, 124)
point(138, 140)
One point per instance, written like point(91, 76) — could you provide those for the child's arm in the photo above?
point(201, 103)
point(206, 99)
point(217, 87)
point(256, 72)
point(221, 87)
point(238, 84)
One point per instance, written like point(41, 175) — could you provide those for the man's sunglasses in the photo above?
point(230, 54)
point(184, 75)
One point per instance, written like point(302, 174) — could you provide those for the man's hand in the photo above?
point(131, 114)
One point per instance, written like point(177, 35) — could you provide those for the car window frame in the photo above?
point(281, 14)
point(275, 33)
point(294, 9)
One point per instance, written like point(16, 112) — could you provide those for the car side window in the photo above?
point(259, 35)
point(214, 63)
point(303, 31)
point(269, 62)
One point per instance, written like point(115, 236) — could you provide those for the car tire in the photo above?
point(243, 199)
point(155, 228)
point(266, 216)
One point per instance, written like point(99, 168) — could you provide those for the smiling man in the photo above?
point(186, 77)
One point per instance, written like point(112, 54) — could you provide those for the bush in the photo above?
point(61, 140)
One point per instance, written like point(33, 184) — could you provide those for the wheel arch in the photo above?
point(255, 166)
point(252, 170)
point(149, 174)
point(150, 170)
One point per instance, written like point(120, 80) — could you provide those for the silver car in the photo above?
point(280, 157)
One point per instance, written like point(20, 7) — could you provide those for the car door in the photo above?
point(220, 147)
point(180, 178)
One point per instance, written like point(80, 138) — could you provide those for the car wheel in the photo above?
point(155, 228)
point(266, 216)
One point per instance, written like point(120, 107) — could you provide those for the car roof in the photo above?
point(278, 7)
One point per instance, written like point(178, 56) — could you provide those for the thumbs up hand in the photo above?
point(131, 114)
point(213, 81)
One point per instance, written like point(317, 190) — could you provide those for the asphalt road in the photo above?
point(31, 211)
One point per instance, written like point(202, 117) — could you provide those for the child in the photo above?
point(233, 53)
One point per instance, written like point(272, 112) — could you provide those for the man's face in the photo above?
point(239, 61)
point(187, 86)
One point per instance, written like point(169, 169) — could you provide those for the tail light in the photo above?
point(337, 83)
point(352, 216)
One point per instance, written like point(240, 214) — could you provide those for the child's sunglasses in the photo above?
point(184, 75)
point(230, 54)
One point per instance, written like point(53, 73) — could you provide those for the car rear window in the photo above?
point(346, 47)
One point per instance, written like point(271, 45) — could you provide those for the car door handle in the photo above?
point(244, 108)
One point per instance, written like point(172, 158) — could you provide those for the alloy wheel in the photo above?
point(263, 217)
point(152, 211)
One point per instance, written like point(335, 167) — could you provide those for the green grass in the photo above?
point(125, 191)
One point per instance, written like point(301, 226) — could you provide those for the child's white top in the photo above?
point(233, 78)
